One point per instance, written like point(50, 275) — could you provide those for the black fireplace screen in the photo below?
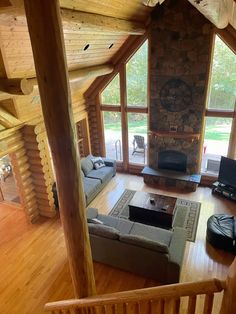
point(172, 160)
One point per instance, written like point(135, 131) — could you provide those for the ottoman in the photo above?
point(221, 232)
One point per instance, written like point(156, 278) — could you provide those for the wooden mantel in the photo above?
point(181, 135)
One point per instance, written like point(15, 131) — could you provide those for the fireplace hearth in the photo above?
point(172, 160)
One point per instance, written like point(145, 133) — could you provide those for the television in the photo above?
point(227, 172)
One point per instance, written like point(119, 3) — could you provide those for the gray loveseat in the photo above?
point(95, 179)
point(145, 250)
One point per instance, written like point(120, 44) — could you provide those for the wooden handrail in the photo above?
point(173, 291)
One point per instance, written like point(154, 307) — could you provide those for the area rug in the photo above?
point(186, 213)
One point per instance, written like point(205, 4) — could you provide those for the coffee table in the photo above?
point(152, 209)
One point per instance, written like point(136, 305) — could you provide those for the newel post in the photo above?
point(228, 305)
point(45, 28)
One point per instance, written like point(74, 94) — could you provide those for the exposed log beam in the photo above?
point(16, 86)
point(84, 73)
point(6, 133)
point(47, 41)
point(90, 72)
point(214, 10)
point(5, 3)
point(99, 23)
point(8, 120)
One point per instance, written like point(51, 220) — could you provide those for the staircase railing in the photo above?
point(161, 300)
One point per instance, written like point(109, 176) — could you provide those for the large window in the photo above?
point(220, 108)
point(111, 94)
point(125, 113)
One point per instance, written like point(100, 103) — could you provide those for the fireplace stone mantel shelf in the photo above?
point(184, 135)
point(171, 178)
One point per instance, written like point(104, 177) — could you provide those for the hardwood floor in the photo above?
point(33, 263)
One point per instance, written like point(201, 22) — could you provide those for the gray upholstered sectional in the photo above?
point(95, 179)
point(145, 250)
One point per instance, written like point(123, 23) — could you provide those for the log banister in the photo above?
point(173, 291)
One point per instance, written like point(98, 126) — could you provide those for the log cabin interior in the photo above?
point(67, 90)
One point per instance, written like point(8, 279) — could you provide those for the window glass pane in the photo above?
point(137, 132)
point(136, 76)
point(216, 142)
point(111, 94)
point(223, 79)
point(113, 138)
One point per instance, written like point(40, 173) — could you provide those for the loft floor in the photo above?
point(33, 263)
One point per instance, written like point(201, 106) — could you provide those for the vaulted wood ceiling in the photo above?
point(101, 42)
point(94, 32)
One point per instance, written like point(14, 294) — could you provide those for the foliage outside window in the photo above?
point(223, 77)
point(221, 102)
point(111, 94)
point(136, 77)
point(113, 118)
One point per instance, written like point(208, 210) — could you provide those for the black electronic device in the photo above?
point(227, 172)
point(226, 184)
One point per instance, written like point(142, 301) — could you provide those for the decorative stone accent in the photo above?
point(180, 50)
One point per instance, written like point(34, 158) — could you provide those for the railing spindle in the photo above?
point(176, 306)
point(137, 308)
point(192, 304)
point(208, 303)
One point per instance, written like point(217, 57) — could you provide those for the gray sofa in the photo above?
point(145, 250)
point(95, 179)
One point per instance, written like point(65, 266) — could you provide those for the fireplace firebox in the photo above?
point(172, 160)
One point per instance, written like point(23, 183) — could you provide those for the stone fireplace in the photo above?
point(172, 160)
point(180, 45)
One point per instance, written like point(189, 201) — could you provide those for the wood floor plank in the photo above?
point(33, 262)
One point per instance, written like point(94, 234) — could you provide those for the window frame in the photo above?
point(220, 113)
point(124, 109)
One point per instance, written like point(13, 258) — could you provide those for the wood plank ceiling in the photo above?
point(94, 32)
point(101, 44)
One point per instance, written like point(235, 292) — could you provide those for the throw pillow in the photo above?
point(94, 221)
point(98, 162)
point(86, 165)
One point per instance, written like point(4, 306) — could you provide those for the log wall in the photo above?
point(36, 144)
point(15, 147)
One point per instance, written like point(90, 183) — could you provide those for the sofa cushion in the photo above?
point(103, 174)
point(103, 231)
point(98, 162)
point(86, 165)
point(144, 242)
point(91, 185)
point(122, 225)
point(152, 233)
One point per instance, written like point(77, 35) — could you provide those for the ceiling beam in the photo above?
point(87, 22)
point(16, 86)
point(7, 119)
point(84, 73)
point(5, 3)
point(215, 11)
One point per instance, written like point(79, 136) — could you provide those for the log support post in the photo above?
point(47, 41)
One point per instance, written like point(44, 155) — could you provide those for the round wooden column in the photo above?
point(47, 41)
